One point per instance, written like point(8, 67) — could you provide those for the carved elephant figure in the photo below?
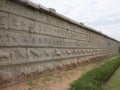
point(25, 73)
point(41, 69)
point(37, 70)
point(49, 66)
point(6, 77)
point(60, 66)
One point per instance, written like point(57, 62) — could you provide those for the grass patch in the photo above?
point(114, 82)
point(94, 79)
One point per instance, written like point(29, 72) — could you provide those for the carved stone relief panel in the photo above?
point(12, 55)
point(11, 75)
point(19, 39)
point(34, 54)
point(54, 21)
point(70, 26)
point(3, 4)
point(42, 17)
point(46, 41)
point(76, 29)
point(23, 40)
point(38, 16)
point(15, 39)
point(56, 31)
point(4, 39)
point(6, 76)
point(47, 53)
point(57, 22)
point(27, 40)
point(20, 54)
point(3, 20)
point(21, 10)
point(49, 19)
point(64, 24)
point(42, 28)
point(60, 24)
point(27, 24)
point(5, 57)
point(40, 54)
point(21, 23)
point(14, 22)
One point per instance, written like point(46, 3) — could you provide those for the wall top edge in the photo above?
point(53, 12)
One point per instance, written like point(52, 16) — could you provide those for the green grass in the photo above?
point(94, 79)
point(114, 82)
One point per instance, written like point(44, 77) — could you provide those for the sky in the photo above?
point(102, 15)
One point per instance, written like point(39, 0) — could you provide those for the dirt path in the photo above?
point(59, 80)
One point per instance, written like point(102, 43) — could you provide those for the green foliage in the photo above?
point(94, 79)
point(114, 82)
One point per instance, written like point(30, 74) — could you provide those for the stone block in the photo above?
point(41, 17)
point(12, 55)
point(4, 39)
point(3, 20)
point(21, 23)
point(14, 22)
point(16, 8)
point(40, 27)
point(3, 5)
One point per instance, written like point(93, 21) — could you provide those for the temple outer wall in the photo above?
point(35, 40)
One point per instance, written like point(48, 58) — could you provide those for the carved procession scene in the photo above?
point(36, 40)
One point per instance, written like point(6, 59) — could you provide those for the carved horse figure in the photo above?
point(5, 56)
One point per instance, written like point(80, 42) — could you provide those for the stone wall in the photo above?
point(36, 40)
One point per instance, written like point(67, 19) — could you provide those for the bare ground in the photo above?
point(59, 80)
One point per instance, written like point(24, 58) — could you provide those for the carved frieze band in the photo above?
point(12, 75)
point(10, 56)
point(33, 42)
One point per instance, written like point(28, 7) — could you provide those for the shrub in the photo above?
point(94, 79)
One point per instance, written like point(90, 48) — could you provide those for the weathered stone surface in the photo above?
point(3, 5)
point(35, 40)
point(3, 20)
point(20, 10)
point(19, 39)
point(21, 23)
point(12, 55)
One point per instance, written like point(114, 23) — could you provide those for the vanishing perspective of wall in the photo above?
point(35, 40)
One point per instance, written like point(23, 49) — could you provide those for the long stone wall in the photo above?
point(36, 40)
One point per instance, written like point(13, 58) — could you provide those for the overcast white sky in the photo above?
point(103, 15)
